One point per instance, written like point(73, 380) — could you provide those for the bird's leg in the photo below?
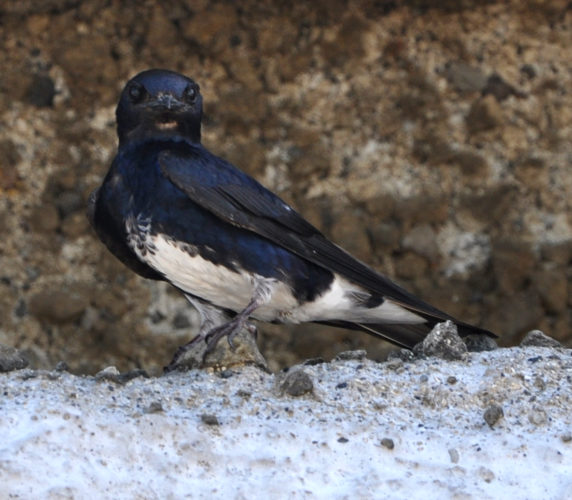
point(217, 323)
point(232, 327)
point(260, 296)
point(210, 316)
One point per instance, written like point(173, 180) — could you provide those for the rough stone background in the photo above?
point(433, 139)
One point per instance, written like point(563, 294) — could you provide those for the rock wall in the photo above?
point(431, 139)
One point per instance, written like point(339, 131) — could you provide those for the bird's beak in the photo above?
point(165, 108)
point(169, 102)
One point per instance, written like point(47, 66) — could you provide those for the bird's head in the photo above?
point(159, 103)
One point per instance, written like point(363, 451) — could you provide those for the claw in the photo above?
point(228, 330)
point(230, 338)
point(251, 327)
point(231, 328)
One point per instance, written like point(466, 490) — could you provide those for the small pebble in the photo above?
point(243, 394)
point(154, 407)
point(539, 383)
point(566, 438)
point(537, 416)
point(11, 359)
point(29, 374)
point(492, 414)
point(401, 355)
point(486, 474)
point(356, 355)
point(454, 455)
point(444, 342)
point(209, 419)
point(109, 373)
point(62, 366)
point(537, 338)
point(452, 380)
point(297, 383)
point(394, 364)
point(343, 440)
point(388, 443)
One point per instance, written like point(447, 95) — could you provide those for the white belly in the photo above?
point(186, 269)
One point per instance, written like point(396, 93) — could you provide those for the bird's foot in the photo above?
point(229, 330)
point(194, 354)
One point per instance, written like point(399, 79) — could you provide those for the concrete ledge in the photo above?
point(493, 425)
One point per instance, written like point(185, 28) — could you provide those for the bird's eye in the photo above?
point(190, 93)
point(136, 92)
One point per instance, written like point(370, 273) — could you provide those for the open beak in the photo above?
point(166, 107)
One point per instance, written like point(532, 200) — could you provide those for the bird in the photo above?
point(171, 210)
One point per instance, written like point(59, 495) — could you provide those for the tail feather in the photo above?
point(400, 318)
point(406, 335)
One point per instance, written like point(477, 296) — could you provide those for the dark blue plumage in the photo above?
point(171, 210)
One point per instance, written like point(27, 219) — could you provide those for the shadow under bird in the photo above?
point(171, 210)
